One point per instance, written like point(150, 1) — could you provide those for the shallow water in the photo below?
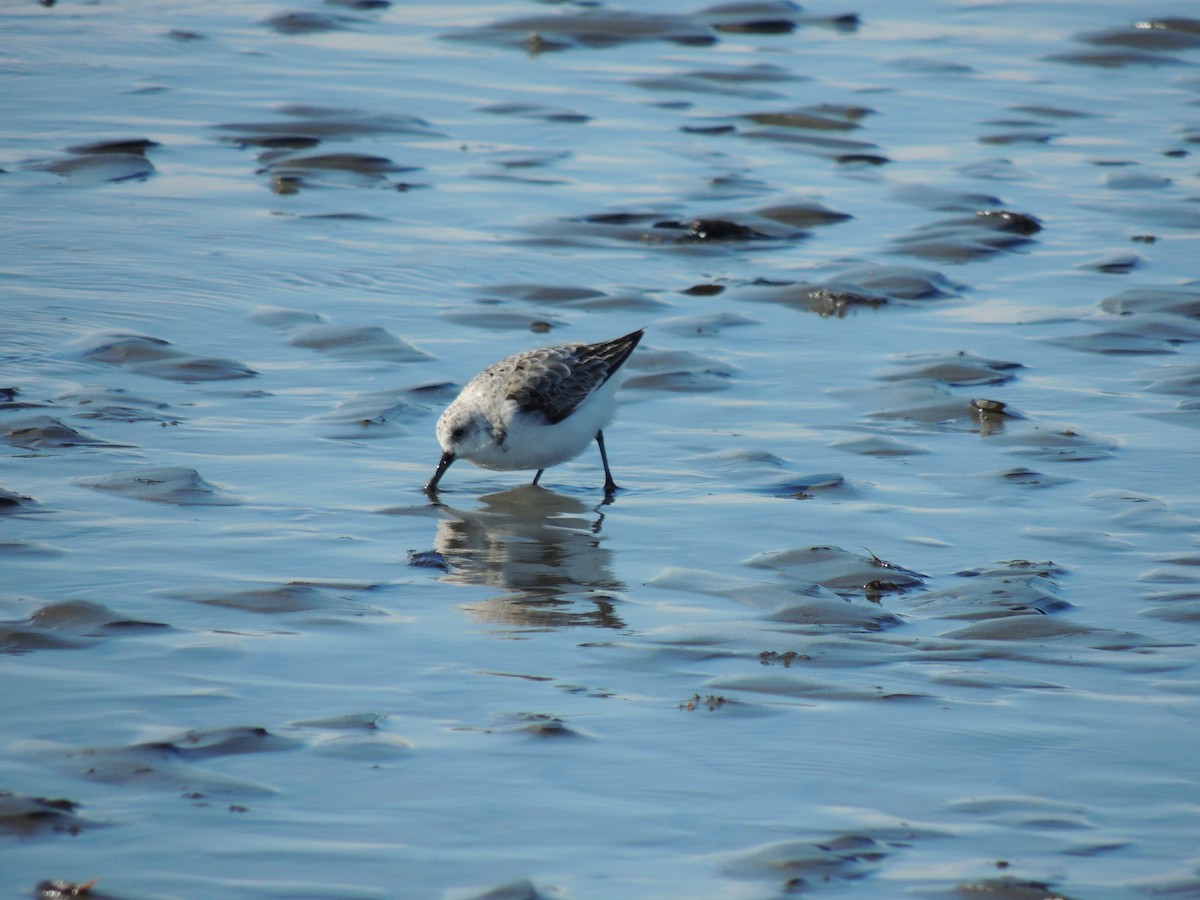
point(901, 593)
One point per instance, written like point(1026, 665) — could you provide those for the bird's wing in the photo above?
point(555, 381)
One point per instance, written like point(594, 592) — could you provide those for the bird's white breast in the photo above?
point(530, 442)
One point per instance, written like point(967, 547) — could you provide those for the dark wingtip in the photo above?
point(621, 348)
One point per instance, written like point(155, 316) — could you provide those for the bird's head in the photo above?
point(462, 431)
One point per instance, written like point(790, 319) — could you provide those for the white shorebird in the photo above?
point(535, 409)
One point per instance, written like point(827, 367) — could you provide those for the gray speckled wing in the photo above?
point(556, 380)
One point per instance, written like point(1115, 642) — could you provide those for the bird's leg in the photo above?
point(537, 476)
point(610, 486)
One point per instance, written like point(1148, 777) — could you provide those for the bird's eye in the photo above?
point(457, 434)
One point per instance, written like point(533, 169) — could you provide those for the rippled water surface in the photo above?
point(901, 593)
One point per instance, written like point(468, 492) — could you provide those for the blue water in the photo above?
point(253, 660)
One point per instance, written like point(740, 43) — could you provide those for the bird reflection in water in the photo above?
point(543, 549)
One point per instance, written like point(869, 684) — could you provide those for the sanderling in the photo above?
point(535, 409)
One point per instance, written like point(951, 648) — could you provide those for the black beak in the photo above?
point(442, 466)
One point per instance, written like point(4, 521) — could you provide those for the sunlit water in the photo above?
point(900, 596)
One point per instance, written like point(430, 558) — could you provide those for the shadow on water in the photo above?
point(542, 549)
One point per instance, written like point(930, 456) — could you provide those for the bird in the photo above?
point(535, 409)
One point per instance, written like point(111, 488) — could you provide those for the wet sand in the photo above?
point(900, 594)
